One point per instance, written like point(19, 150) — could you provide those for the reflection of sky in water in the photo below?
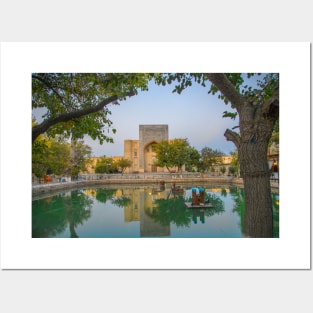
point(107, 221)
point(133, 213)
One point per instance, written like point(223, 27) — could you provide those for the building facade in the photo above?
point(140, 151)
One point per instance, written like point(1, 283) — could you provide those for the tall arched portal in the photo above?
point(149, 135)
point(149, 158)
point(140, 151)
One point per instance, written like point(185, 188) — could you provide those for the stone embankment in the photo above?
point(59, 186)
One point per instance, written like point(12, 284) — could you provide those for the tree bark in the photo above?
point(256, 124)
point(255, 172)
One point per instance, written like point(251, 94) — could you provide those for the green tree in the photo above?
point(79, 156)
point(173, 153)
point(210, 158)
point(77, 103)
point(193, 159)
point(234, 164)
point(39, 152)
point(180, 153)
point(106, 165)
point(232, 170)
point(39, 159)
point(123, 164)
point(275, 135)
point(59, 157)
point(164, 154)
point(50, 155)
point(257, 106)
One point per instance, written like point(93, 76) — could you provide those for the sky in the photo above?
point(194, 114)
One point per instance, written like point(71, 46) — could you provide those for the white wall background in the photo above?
point(154, 291)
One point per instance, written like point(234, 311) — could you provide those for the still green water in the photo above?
point(147, 211)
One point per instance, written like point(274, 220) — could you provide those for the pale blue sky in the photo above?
point(194, 114)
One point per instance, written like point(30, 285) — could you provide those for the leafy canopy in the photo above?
point(50, 155)
point(63, 94)
point(210, 158)
point(172, 153)
point(255, 87)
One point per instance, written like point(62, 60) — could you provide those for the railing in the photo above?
point(155, 176)
point(134, 176)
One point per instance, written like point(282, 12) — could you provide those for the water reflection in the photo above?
point(130, 212)
point(53, 214)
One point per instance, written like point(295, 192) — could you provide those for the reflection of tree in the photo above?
point(275, 201)
point(51, 215)
point(218, 208)
point(175, 211)
point(218, 205)
point(77, 209)
point(238, 197)
point(216, 201)
point(47, 219)
point(171, 211)
point(224, 192)
point(103, 195)
point(122, 201)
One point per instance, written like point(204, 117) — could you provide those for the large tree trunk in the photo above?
point(255, 133)
point(258, 220)
point(256, 124)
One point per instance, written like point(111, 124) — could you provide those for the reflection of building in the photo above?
point(141, 208)
point(148, 227)
point(140, 151)
point(219, 190)
point(132, 210)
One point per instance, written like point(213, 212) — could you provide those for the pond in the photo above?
point(145, 211)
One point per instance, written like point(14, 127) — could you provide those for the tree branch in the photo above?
point(232, 136)
point(270, 107)
point(65, 117)
point(227, 89)
point(49, 86)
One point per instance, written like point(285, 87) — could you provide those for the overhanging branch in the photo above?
point(227, 89)
point(43, 81)
point(65, 117)
point(232, 136)
point(270, 107)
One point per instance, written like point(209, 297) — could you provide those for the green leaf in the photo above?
point(232, 115)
